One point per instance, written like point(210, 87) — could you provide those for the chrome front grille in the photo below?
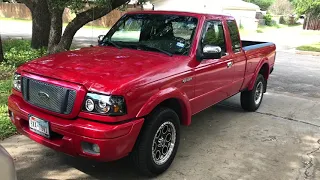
point(48, 96)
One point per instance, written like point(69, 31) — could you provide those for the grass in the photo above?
point(95, 27)
point(6, 127)
point(16, 52)
point(311, 47)
point(259, 31)
point(15, 19)
point(264, 29)
point(310, 32)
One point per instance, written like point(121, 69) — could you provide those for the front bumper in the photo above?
point(115, 141)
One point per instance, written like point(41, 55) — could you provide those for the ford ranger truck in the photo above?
point(130, 94)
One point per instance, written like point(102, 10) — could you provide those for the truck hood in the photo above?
point(101, 69)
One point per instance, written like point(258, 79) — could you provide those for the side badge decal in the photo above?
point(187, 79)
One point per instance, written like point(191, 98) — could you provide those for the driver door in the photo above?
point(213, 76)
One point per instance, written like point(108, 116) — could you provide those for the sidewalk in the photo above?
point(23, 29)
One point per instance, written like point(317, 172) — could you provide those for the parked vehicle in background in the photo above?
point(129, 95)
point(7, 169)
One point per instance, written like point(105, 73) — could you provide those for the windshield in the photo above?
point(171, 34)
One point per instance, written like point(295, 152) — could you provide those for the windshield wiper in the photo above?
point(155, 48)
point(108, 41)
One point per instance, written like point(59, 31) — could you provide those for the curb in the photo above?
point(308, 53)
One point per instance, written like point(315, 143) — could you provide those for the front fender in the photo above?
point(165, 94)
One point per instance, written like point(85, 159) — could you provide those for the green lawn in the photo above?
point(6, 127)
point(16, 52)
point(265, 29)
point(311, 47)
point(262, 29)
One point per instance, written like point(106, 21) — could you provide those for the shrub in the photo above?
point(259, 31)
point(268, 19)
point(282, 20)
point(6, 71)
point(17, 52)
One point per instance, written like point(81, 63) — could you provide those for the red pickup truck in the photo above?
point(129, 95)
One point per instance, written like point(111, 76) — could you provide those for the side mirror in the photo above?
point(211, 52)
point(100, 39)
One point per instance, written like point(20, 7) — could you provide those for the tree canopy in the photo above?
point(311, 10)
point(307, 6)
point(263, 4)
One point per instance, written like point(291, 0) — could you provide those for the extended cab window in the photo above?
point(214, 35)
point(234, 34)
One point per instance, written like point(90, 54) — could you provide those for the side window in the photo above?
point(214, 35)
point(129, 31)
point(183, 29)
point(234, 34)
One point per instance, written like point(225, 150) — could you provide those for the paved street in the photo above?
point(279, 141)
point(23, 29)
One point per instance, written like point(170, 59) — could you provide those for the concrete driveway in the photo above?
point(280, 141)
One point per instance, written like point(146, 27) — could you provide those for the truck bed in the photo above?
point(249, 45)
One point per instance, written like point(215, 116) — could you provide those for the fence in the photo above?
point(20, 11)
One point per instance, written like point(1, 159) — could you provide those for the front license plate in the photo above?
point(39, 126)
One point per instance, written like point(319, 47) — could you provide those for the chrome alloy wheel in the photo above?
point(259, 92)
point(163, 143)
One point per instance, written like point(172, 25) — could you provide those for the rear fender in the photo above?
point(256, 73)
point(163, 95)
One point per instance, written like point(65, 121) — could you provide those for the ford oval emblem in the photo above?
point(43, 96)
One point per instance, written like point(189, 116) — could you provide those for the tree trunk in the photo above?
point(78, 22)
point(40, 24)
point(1, 51)
point(55, 28)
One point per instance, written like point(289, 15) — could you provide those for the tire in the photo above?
point(251, 100)
point(149, 154)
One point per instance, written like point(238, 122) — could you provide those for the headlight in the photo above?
point(105, 105)
point(17, 81)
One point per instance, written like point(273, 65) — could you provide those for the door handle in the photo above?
point(229, 64)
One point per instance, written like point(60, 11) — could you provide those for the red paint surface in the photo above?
point(145, 79)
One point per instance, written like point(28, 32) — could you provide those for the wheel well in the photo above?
point(174, 104)
point(265, 71)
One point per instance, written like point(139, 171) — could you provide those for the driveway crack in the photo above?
point(310, 163)
point(273, 115)
point(289, 119)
